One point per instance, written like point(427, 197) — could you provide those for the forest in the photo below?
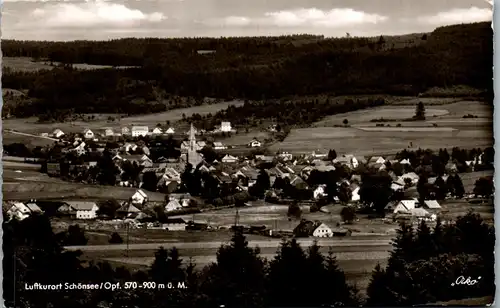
point(257, 68)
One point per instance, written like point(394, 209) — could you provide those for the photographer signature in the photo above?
point(461, 280)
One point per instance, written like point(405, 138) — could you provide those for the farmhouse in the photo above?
point(88, 134)
point(84, 209)
point(255, 143)
point(139, 198)
point(170, 131)
point(225, 127)
point(157, 131)
point(139, 131)
point(57, 133)
point(175, 224)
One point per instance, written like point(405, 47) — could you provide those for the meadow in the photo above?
point(26, 64)
point(444, 127)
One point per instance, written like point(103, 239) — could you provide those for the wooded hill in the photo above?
point(249, 68)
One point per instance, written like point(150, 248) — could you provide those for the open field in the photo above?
point(29, 125)
point(29, 141)
point(26, 64)
point(364, 138)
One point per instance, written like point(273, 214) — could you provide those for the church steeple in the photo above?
point(192, 138)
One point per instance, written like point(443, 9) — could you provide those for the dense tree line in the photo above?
point(240, 277)
point(425, 264)
point(249, 68)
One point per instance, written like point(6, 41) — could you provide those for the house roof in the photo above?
point(410, 175)
point(128, 208)
point(408, 204)
point(174, 203)
point(175, 221)
point(229, 157)
point(140, 192)
point(419, 212)
point(33, 207)
point(81, 205)
point(432, 204)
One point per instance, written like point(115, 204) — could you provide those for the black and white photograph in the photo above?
point(237, 153)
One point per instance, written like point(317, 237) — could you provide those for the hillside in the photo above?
point(248, 68)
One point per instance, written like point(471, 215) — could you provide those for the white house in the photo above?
point(405, 161)
point(255, 143)
point(125, 131)
point(170, 131)
point(225, 127)
point(157, 131)
point(355, 194)
point(173, 205)
point(323, 231)
point(57, 133)
point(228, 159)
point(320, 192)
point(108, 132)
point(219, 146)
point(84, 209)
point(88, 134)
point(19, 210)
point(139, 131)
point(139, 197)
point(404, 206)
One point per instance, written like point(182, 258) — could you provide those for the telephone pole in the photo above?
point(127, 237)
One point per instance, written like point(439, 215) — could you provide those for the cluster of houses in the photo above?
point(138, 131)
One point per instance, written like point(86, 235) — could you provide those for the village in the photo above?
point(197, 176)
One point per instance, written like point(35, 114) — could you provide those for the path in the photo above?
point(29, 135)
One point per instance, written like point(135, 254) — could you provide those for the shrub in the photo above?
point(115, 238)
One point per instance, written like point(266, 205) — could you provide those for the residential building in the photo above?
point(108, 132)
point(319, 154)
point(125, 131)
point(139, 198)
point(410, 176)
point(219, 146)
point(170, 131)
point(404, 206)
point(255, 143)
point(431, 204)
point(88, 134)
point(173, 205)
point(376, 160)
point(80, 149)
point(127, 210)
point(229, 159)
point(355, 192)
point(174, 224)
point(84, 209)
point(57, 133)
point(139, 131)
point(18, 210)
point(157, 131)
point(347, 160)
point(225, 127)
point(320, 192)
point(322, 231)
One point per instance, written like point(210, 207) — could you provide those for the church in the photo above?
point(192, 147)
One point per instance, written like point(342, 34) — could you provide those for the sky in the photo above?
point(64, 20)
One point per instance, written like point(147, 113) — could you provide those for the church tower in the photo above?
point(193, 157)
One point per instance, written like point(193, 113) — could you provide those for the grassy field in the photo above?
point(29, 125)
point(365, 138)
point(28, 141)
point(26, 64)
